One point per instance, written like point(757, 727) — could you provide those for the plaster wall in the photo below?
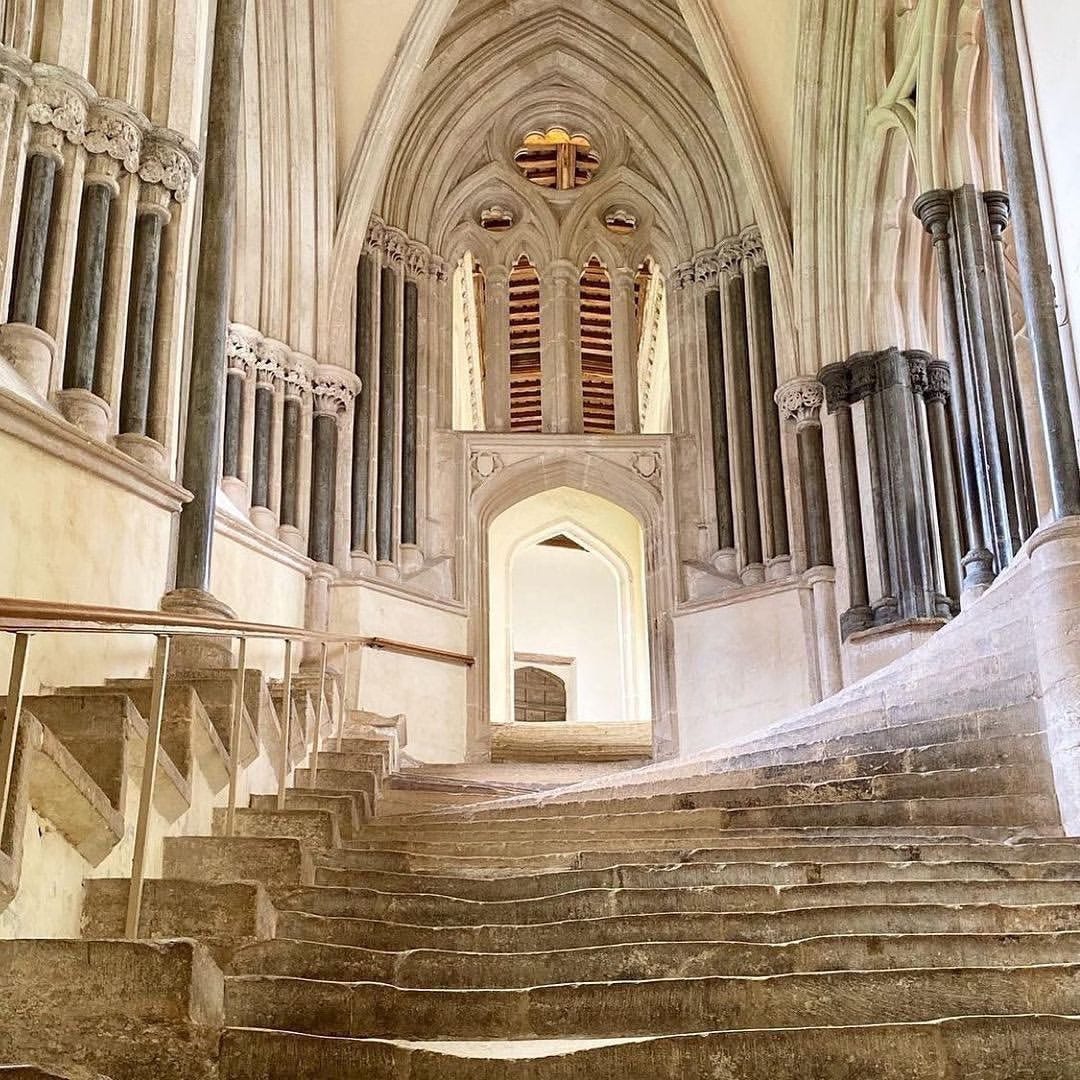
point(566, 603)
point(740, 666)
point(431, 694)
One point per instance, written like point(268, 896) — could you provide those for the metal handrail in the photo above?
point(25, 618)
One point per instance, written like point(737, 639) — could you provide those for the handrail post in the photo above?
point(344, 693)
point(286, 726)
point(313, 771)
point(234, 737)
point(146, 788)
point(9, 732)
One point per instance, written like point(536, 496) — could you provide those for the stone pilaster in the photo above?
point(497, 348)
point(366, 369)
point(624, 351)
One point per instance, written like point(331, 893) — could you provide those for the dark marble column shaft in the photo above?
point(384, 478)
point(33, 239)
point(836, 381)
point(367, 283)
point(1015, 429)
point(80, 358)
point(714, 347)
point(1036, 281)
point(934, 210)
point(745, 452)
point(409, 361)
point(324, 440)
point(773, 471)
point(234, 422)
point(211, 300)
point(986, 333)
point(941, 458)
point(260, 457)
point(800, 403)
point(290, 461)
point(142, 308)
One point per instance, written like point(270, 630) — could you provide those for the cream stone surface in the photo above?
point(741, 665)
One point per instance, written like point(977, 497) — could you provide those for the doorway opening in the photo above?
point(568, 621)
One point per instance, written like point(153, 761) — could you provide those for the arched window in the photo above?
point(597, 365)
point(525, 408)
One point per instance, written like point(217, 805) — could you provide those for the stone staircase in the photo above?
point(879, 887)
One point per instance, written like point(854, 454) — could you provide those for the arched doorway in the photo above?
point(566, 592)
point(539, 696)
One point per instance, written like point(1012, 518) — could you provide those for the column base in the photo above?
point(387, 571)
point(978, 575)
point(144, 450)
point(855, 619)
point(198, 651)
point(726, 562)
point(86, 411)
point(752, 574)
point(237, 492)
point(292, 537)
point(822, 582)
point(31, 352)
point(778, 568)
point(872, 648)
point(362, 563)
point(264, 519)
point(412, 558)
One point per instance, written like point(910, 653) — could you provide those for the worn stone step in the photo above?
point(986, 1047)
point(279, 864)
point(222, 917)
point(754, 849)
point(774, 925)
point(575, 844)
point(316, 828)
point(552, 883)
point(422, 968)
point(650, 1006)
point(351, 781)
point(433, 909)
point(374, 761)
point(993, 780)
point(35, 1072)
point(129, 1009)
point(983, 810)
point(350, 808)
point(1014, 751)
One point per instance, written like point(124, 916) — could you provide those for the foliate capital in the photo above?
point(169, 160)
point(58, 99)
point(800, 401)
point(241, 345)
point(864, 375)
point(114, 130)
point(918, 369)
point(333, 389)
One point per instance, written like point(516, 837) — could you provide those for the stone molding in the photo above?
point(800, 401)
point(63, 107)
point(398, 249)
point(707, 267)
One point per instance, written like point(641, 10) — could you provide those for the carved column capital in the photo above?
point(836, 381)
point(168, 161)
point(297, 372)
point(918, 362)
point(800, 401)
point(114, 132)
point(752, 248)
point(58, 100)
point(934, 210)
point(682, 276)
point(863, 375)
point(938, 381)
point(241, 344)
point(417, 260)
point(333, 389)
point(271, 358)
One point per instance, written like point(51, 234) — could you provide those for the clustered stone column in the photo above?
point(740, 354)
point(395, 282)
point(99, 188)
point(910, 465)
point(995, 489)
